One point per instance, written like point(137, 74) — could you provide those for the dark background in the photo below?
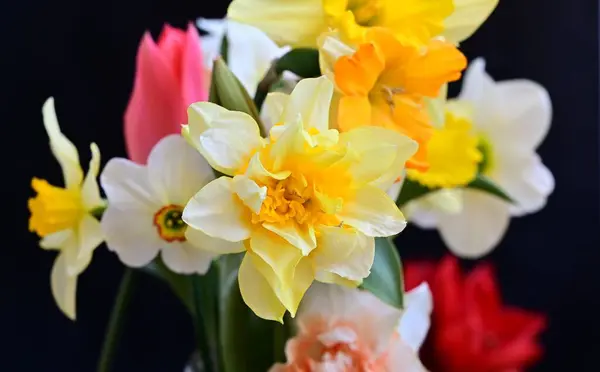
point(83, 54)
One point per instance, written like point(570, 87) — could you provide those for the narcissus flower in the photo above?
point(250, 52)
point(63, 217)
point(384, 82)
point(510, 119)
point(145, 206)
point(306, 202)
point(299, 22)
point(346, 329)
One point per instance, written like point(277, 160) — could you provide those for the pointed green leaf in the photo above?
point(485, 184)
point(386, 278)
point(303, 62)
point(411, 190)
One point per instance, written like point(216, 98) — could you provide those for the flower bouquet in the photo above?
point(269, 161)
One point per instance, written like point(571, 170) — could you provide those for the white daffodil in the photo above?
point(510, 118)
point(63, 217)
point(250, 52)
point(146, 202)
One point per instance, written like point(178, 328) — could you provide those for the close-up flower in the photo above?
point(305, 203)
point(299, 22)
point(145, 205)
point(385, 83)
point(168, 78)
point(509, 119)
point(473, 330)
point(64, 216)
point(346, 329)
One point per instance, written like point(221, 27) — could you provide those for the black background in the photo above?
point(83, 54)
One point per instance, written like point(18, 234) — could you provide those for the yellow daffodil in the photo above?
point(452, 154)
point(63, 218)
point(299, 22)
point(383, 82)
point(304, 204)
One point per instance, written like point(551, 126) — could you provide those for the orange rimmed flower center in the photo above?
point(169, 224)
point(365, 11)
point(54, 208)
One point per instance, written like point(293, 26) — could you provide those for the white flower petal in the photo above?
point(272, 109)
point(215, 211)
point(211, 43)
point(310, 99)
point(89, 189)
point(215, 245)
point(478, 228)
point(183, 258)
point(126, 185)
point(90, 236)
point(63, 150)
point(64, 287)
point(176, 170)
point(466, 18)
point(249, 192)
point(57, 240)
point(416, 318)
point(130, 233)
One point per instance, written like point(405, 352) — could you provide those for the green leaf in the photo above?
point(248, 343)
point(303, 62)
point(386, 278)
point(181, 285)
point(411, 190)
point(206, 295)
point(483, 183)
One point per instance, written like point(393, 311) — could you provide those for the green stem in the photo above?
point(117, 318)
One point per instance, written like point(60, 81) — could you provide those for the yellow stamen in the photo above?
point(54, 208)
point(452, 154)
point(169, 224)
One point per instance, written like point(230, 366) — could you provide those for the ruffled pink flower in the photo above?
point(349, 330)
point(169, 77)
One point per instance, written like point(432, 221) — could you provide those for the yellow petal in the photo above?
point(290, 142)
point(291, 22)
point(353, 112)
point(373, 213)
point(290, 296)
point(257, 171)
point(310, 99)
point(277, 253)
point(382, 153)
point(257, 293)
point(300, 236)
point(331, 278)
point(216, 211)
point(90, 236)
point(249, 192)
point(225, 138)
point(272, 109)
point(344, 252)
point(468, 15)
point(90, 191)
point(214, 245)
point(63, 150)
point(63, 287)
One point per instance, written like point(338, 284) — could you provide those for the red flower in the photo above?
point(472, 331)
point(169, 77)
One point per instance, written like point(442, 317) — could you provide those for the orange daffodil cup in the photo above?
point(384, 82)
point(299, 22)
point(304, 204)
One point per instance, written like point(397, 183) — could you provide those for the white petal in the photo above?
point(216, 211)
point(416, 318)
point(183, 258)
point(249, 192)
point(424, 211)
point(272, 109)
point(478, 228)
point(373, 213)
point(63, 150)
point(176, 170)
point(310, 99)
point(130, 233)
point(215, 245)
point(225, 138)
point(251, 54)
point(57, 240)
point(476, 82)
point(126, 185)
point(211, 43)
point(89, 189)
point(528, 182)
point(64, 287)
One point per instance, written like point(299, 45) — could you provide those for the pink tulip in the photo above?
point(169, 77)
